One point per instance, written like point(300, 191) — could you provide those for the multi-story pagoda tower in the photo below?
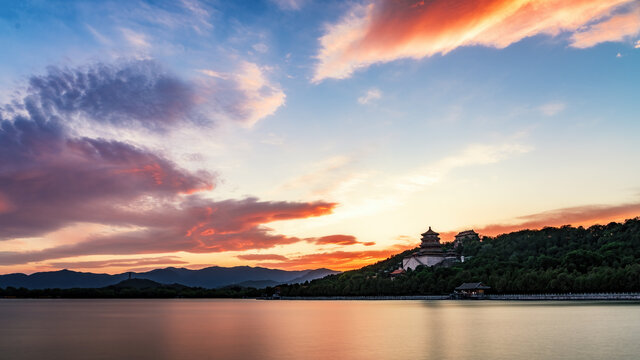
point(430, 253)
point(430, 242)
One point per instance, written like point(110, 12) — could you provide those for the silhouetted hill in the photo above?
point(312, 275)
point(211, 277)
point(60, 279)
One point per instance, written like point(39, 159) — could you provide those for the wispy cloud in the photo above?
point(130, 263)
point(246, 95)
point(289, 4)
point(320, 173)
point(370, 193)
point(338, 240)
point(617, 28)
point(552, 108)
point(262, 257)
point(200, 13)
point(474, 154)
point(338, 260)
point(99, 36)
point(384, 31)
point(260, 47)
point(371, 95)
point(136, 39)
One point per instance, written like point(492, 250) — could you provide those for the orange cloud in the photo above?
point(385, 31)
point(252, 257)
point(197, 226)
point(338, 260)
point(338, 240)
point(576, 216)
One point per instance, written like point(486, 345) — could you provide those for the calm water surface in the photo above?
point(253, 329)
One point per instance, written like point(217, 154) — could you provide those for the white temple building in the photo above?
point(429, 254)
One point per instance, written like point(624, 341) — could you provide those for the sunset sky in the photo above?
point(300, 134)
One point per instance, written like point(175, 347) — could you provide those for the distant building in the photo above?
point(471, 290)
point(397, 272)
point(467, 234)
point(429, 254)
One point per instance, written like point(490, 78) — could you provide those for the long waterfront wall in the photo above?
point(586, 296)
point(417, 297)
point(527, 297)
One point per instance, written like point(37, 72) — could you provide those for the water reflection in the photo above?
point(250, 329)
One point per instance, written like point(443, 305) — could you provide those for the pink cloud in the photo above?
point(384, 31)
point(246, 95)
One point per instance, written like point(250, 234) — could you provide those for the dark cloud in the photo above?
point(51, 178)
point(195, 225)
point(138, 92)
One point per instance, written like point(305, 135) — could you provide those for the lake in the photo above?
point(336, 330)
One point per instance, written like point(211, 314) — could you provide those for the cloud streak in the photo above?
point(132, 263)
point(576, 216)
point(246, 95)
point(617, 28)
point(384, 31)
point(338, 240)
point(262, 257)
point(370, 96)
point(338, 260)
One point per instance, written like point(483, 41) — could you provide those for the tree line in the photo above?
point(601, 258)
point(123, 293)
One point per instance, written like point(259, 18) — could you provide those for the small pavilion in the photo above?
point(471, 290)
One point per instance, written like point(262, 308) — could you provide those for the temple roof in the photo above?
point(473, 286)
point(430, 232)
point(466, 233)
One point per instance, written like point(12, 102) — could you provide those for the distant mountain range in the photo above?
point(211, 277)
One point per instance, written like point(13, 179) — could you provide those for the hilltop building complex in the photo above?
point(431, 253)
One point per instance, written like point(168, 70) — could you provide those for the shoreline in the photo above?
point(506, 297)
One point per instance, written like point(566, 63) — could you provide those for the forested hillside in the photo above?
point(601, 258)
